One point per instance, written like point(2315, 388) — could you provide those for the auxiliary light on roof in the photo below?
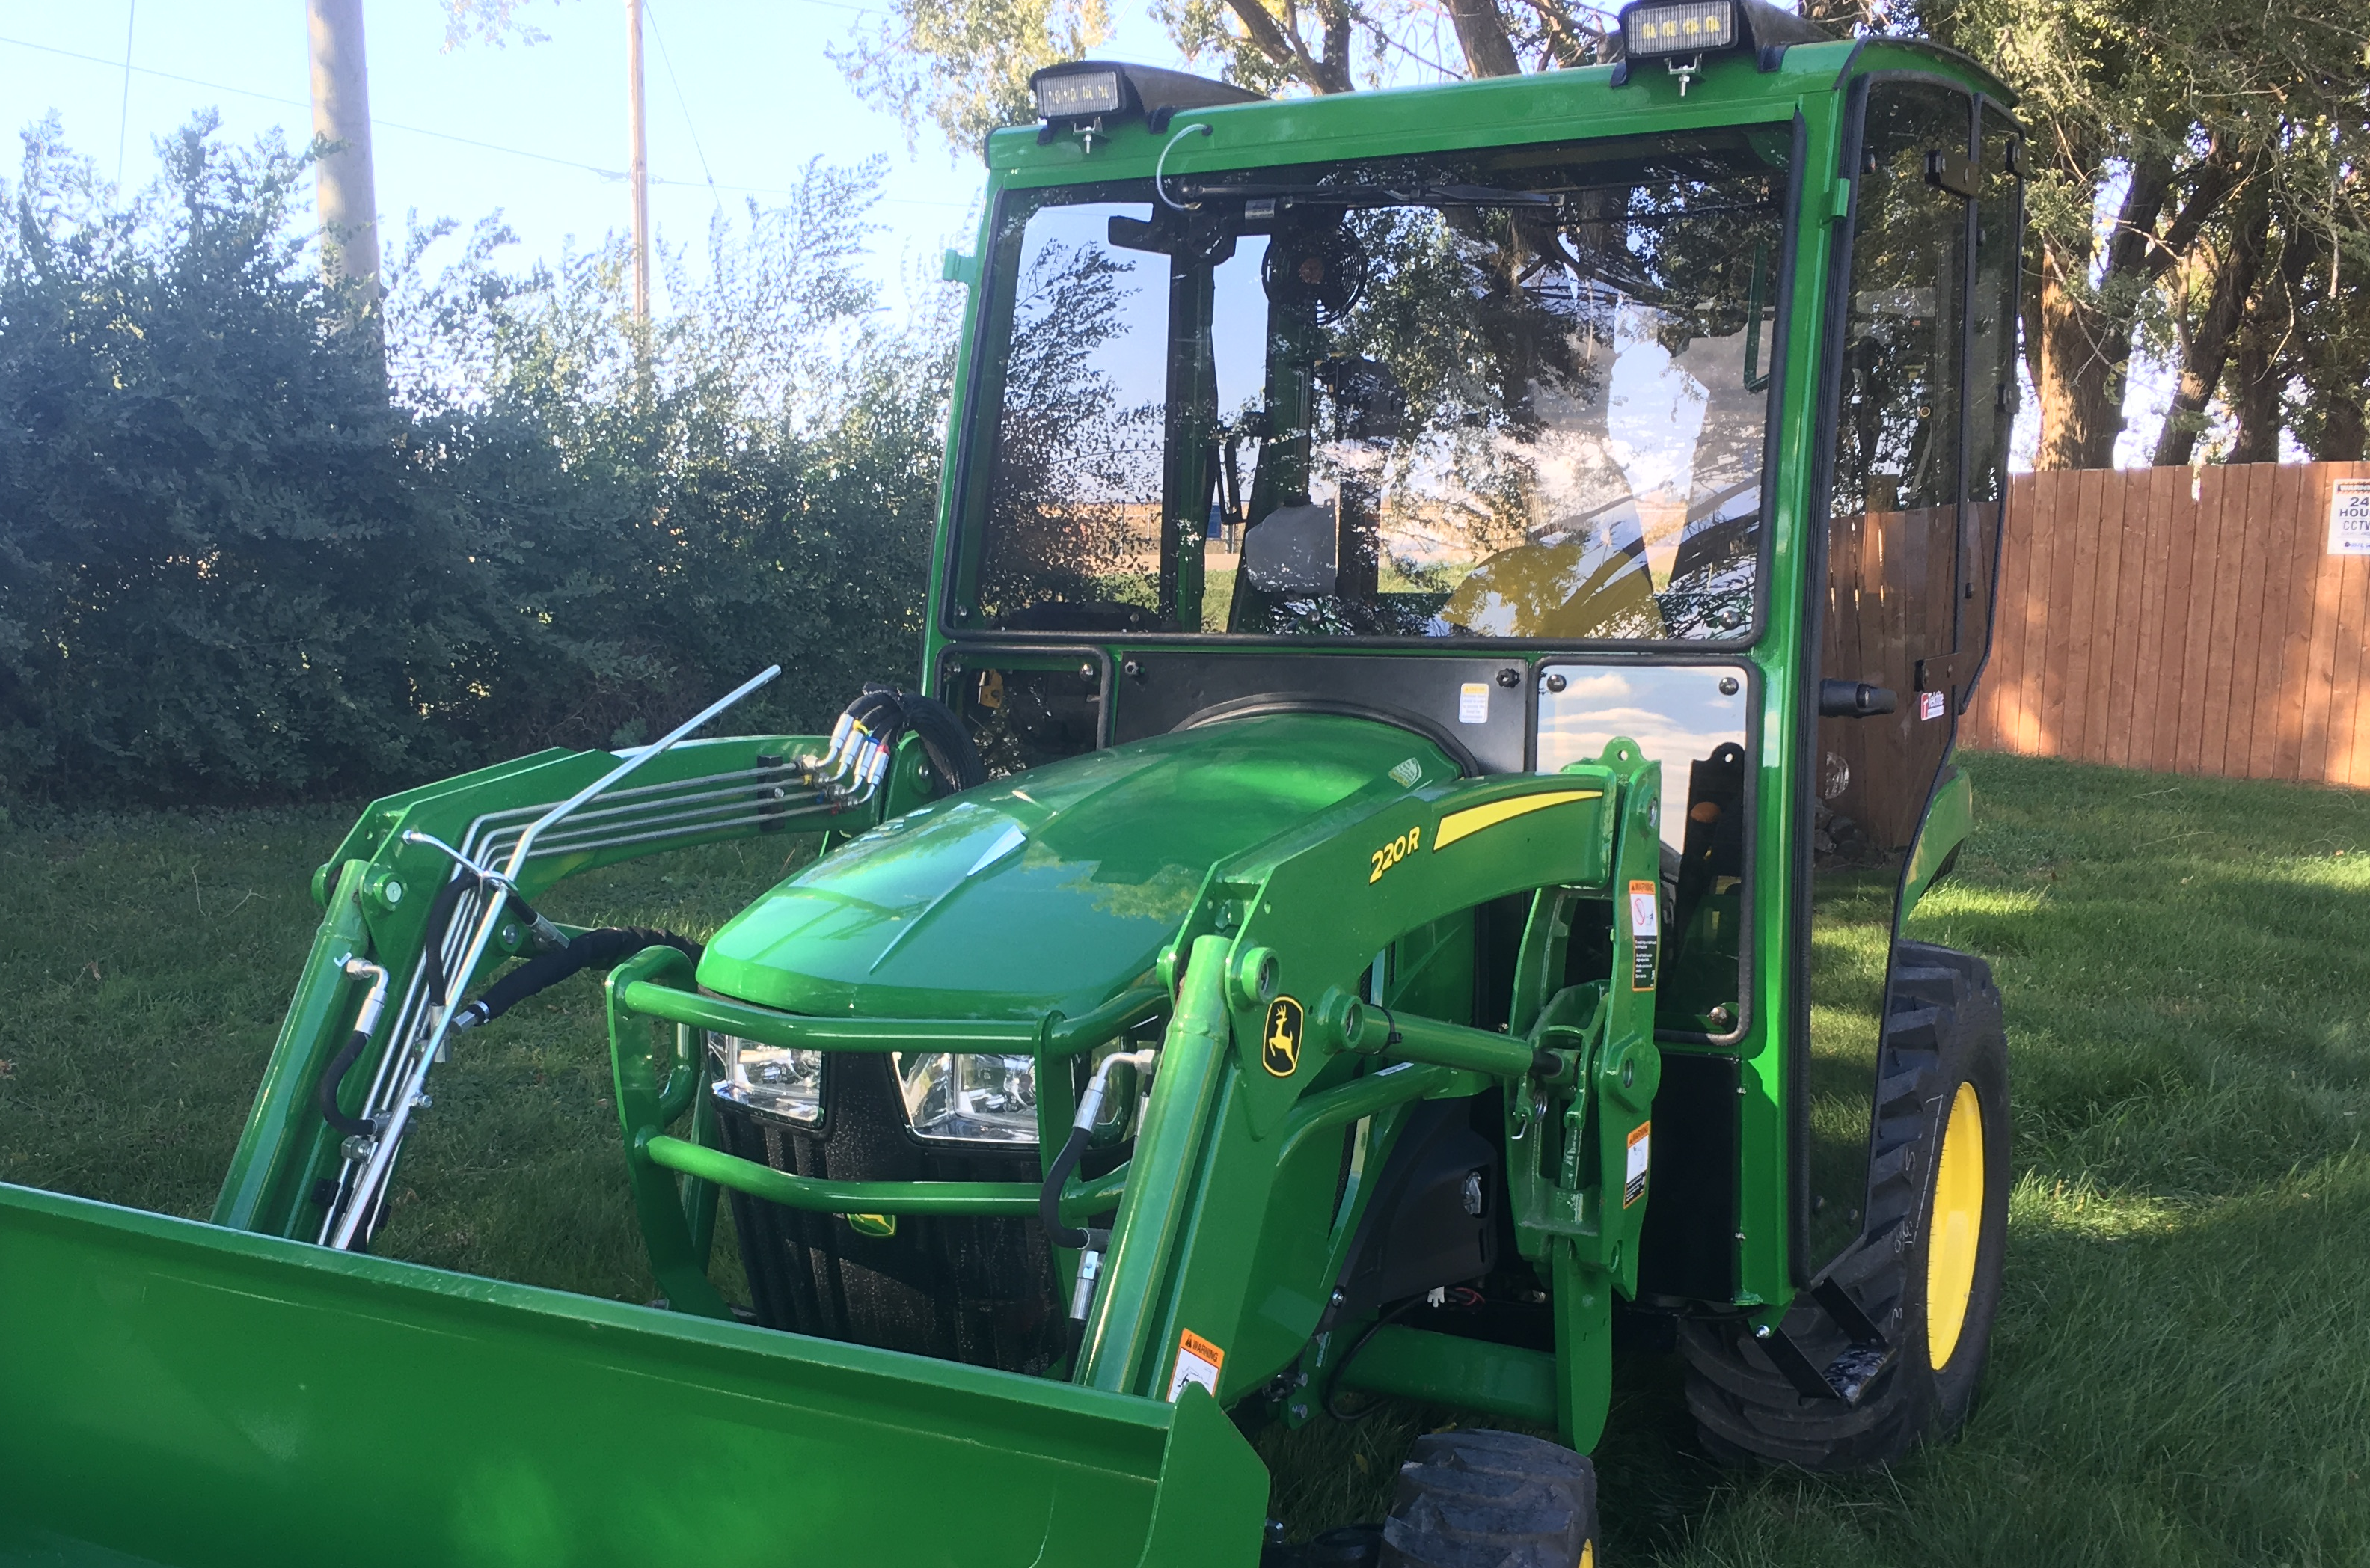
point(1689, 27)
point(1091, 95)
point(1079, 92)
point(1680, 33)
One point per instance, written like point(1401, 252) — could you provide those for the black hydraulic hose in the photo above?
point(431, 945)
point(603, 949)
point(946, 740)
point(340, 1065)
point(1334, 1384)
point(1049, 1197)
point(439, 920)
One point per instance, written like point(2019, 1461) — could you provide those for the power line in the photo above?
point(300, 103)
point(123, 120)
point(666, 58)
point(448, 136)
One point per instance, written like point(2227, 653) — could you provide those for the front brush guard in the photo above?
point(1306, 912)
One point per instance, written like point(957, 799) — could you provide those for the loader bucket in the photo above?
point(172, 1392)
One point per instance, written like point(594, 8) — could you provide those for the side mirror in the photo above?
point(1854, 700)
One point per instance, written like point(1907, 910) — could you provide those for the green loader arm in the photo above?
point(378, 888)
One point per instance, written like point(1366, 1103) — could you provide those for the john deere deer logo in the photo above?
point(1280, 1045)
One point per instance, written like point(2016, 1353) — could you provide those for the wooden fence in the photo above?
point(2186, 621)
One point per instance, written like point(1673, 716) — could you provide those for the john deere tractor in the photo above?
point(1449, 615)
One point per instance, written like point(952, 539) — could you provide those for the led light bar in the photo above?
point(1080, 92)
point(1687, 27)
point(1084, 94)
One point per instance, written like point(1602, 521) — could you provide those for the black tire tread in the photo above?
point(1745, 1410)
point(1483, 1499)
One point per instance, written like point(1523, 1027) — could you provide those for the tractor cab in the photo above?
point(1450, 611)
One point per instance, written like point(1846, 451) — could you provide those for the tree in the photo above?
point(966, 63)
point(2164, 112)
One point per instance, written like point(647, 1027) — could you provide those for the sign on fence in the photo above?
point(2349, 517)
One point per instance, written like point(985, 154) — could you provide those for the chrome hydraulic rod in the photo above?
point(362, 1196)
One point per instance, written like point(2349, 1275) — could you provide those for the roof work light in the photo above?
point(1681, 32)
point(1084, 94)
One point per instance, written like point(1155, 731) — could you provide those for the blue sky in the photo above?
point(739, 92)
point(740, 95)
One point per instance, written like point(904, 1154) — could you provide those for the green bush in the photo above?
point(232, 566)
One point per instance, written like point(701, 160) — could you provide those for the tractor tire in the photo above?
point(1927, 1266)
point(1491, 1500)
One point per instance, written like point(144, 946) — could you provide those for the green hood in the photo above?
point(1055, 888)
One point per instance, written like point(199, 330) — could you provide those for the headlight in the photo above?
point(772, 1080)
point(969, 1099)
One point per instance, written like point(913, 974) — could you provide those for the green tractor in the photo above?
point(1450, 611)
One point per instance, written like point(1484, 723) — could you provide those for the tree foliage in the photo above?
point(966, 63)
point(230, 567)
point(2152, 120)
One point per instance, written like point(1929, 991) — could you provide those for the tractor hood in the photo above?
point(1054, 888)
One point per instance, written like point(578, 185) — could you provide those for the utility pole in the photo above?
point(638, 165)
point(342, 184)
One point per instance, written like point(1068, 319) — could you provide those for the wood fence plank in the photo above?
point(2080, 602)
point(2156, 533)
point(2293, 492)
point(2107, 619)
point(2275, 542)
point(2225, 498)
point(2345, 664)
point(2248, 492)
point(2320, 660)
point(2004, 672)
point(2053, 541)
point(2180, 550)
point(2040, 542)
point(2024, 605)
point(2206, 593)
point(2127, 506)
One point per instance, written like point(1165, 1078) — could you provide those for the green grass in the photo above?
point(2181, 1372)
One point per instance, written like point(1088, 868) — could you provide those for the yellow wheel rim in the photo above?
point(1954, 1230)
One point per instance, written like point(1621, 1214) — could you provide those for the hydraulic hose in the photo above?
point(340, 1065)
point(868, 730)
point(946, 740)
point(1082, 1126)
point(603, 949)
point(1049, 1198)
point(440, 921)
point(334, 1076)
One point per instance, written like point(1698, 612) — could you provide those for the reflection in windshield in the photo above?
point(1513, 394)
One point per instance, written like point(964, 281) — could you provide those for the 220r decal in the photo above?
point(1397, 849)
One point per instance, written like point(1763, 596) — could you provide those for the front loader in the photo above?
point(1449, 615)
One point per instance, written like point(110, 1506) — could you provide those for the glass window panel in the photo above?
point(1693, 720)
point(1890, 601)
point(1497, 394)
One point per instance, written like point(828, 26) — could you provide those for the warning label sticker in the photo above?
point(1473, 703)
point(1633, 1184)
point(1932, 704)
point(1645, 932)
point(1197, 1362)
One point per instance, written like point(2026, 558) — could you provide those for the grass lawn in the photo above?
point(2181, 1368)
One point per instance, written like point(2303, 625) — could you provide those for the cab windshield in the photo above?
point(1513, 392)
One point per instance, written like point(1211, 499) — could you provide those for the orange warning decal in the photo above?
point(1197, 1362)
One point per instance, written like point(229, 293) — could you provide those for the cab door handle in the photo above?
point(1854, 700)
